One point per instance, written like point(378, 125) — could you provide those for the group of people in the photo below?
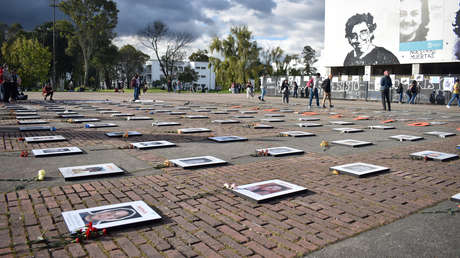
point(9, 83)
point(313, 87)
point(411, 92)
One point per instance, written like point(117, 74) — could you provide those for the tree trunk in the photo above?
point(85, 67)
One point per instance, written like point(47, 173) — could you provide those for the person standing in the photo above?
point(135, 84)
point(400, 91)
point(15, 82)
point(285, 92)
point(385, 85)
point(249, 90)
point(326, 85)
point(413, 91)
point(455, 94)
point(2, 89)
point(313, 87)
point(7, 81)
point(296, 88)
point(48, 91)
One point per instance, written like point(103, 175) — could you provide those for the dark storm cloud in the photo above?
point(134, 15)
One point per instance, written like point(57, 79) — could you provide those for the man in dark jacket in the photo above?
point(385, 85)
point(327, 91)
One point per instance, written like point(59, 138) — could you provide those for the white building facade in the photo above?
point(206, 76)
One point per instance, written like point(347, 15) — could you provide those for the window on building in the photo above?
point(203, 76)
point(203, 85)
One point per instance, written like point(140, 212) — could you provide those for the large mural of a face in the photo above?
point(414, 18)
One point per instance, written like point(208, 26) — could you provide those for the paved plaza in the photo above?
point(201, 218)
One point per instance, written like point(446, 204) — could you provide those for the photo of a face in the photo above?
point(87, 170)
point(414, 18)
point(266, 189)
point(98, 217)
point(360, 38)
point(56, 150)
point(197, 161)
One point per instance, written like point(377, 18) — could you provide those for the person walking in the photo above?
point(262, 92)
point(285, 92)
point(385, 85)
point(296, 88)
point(249, 90)
point(313, 87)
point(400, 91)
point(326, 85)
point(413, 91)
point(455, 94)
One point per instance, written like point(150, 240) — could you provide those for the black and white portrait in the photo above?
point(456, 29)
point(359, 30)
point(414, 20)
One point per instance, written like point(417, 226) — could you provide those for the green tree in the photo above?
point(241, 57)
point(131, 61)
point(169, 46)
point(31, 60)
point(94, 22)
point(199, 56)
point(309, 58)
point(188, 75)
point(106, 61)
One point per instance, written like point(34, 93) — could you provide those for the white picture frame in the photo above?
point(193, 130)
point(244, 116)
point(404, 137)
point(281, 151)
point(381, 127)
point(341, 123)
point(85, 120)
point(177, 113)
point(90, 170)
point(348, 130)
point(268, 190)
point(440, 134)
point(200, 161)
point(309, 125)
point(352, 143)
point(230, 138)
point(48, 138)
point(455, 197)
point(121, 115)
point(36, 128)
point(138, 118)
point(137, 211)
point(272, 120)
point(297, 134)
point(159, 123)
point(32, 122)
point(309, 119)
point(248, 112)
point(434, 155)
point(152, 144)
point(227, 121)
point(196, 117)
point(360, 169)
point(120, 134)
point(72, 116)
point(27, 117)
point(262, 126)
point(56, 151)
point(100, 125)
point(274, 115)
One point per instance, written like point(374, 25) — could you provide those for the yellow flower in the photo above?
point(335, 172)
point(41, 175)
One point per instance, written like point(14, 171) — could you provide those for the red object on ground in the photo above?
point(271, 110)
point(361, 118)
point(419, 124)
point(336, 116)
point(388, 121)
point(309, 114)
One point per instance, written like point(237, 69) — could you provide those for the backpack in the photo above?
point(309, 83)
point(433, 97)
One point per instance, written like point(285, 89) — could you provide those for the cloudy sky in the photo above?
point(290, 24)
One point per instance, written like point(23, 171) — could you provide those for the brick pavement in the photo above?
point(203, 219)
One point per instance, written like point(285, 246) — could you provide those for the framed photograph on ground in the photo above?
point(122, 115)
point(244, 116)
point(267, 190)
point(228, 121)
point(262, 126)
point(382, 127)
point(309, 125)
point(403, 137)
point(434, 155)
point(177, 113)
point(193, 130)
point(100, 125)
point(183, 108)
point(152, 144)
point(455, 198)
point(274, 115)
point(197, 161)
point(227, 139)
point(438, 123)
point(120, 134)
point(352, 143)
point(165, 123)
point(27, 117)
point(286, 111)
point(67, 113)
point(26, 113)
point(440, 134)
point(109, 112)
point(56, 151)
point(139, 118)
point(348, 130)
point(51, 138)
point(202, 110)
point(159, 111)
point(341, 123)
point(309, 119)
point(85, 120)
point(72, 116)
point(31, 122)
point(296, 134)
point(90, 170)
point(196, 117)
point(248, 112)
point(232, 110)
point(36, 128)
point(281, 151)
point(220, 113)
point(360, 169)
point(272, 120)
point(109, 216)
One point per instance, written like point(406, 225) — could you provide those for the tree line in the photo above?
point(84, 51)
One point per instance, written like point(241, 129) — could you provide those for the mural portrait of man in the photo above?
point(456, 30)
point(359, 30)
point(414, 19)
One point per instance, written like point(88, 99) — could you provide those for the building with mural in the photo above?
point(412, 39)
